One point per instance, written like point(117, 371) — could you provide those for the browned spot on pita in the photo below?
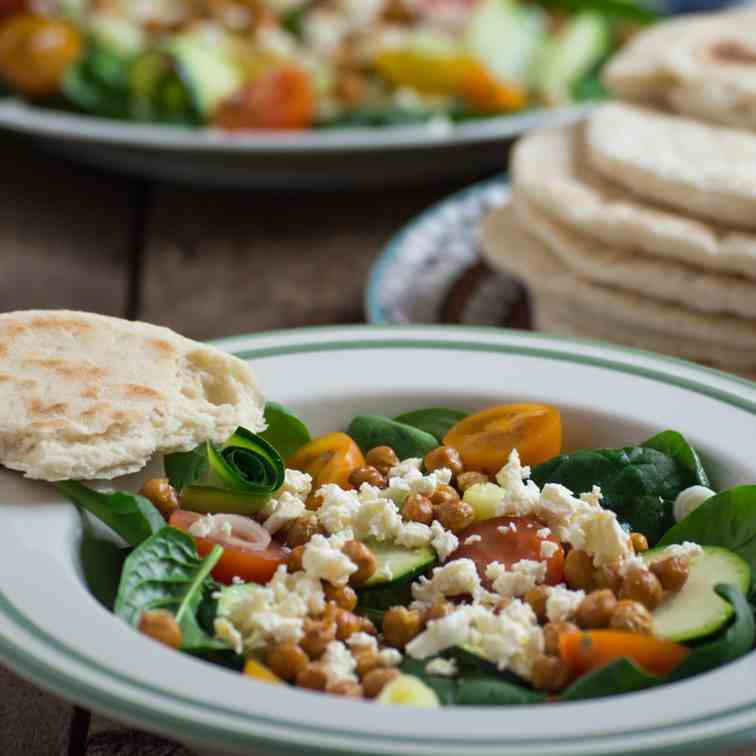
point(68, 369)
point(137, 391)
point(40, 408)
point(162, 345)
point(92, 392)
point(42, 321)
point(3, 351)
point(5, 377)
point(730, 51)
point(47, 424)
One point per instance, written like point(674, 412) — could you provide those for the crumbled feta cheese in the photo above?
point(297, 483)
point(548, 549)
point(406, 468)
point(443, 541)
point(633, 561)
point(458, 578)
point(523, 577)
point(442, 667)
point(691, 499)
point(288, 508)
point(389, 657)
point(339, 663)
point(324, 559)
point(474, 538)
point(413, 535)
point(686, 549)
point(519, 495)
point(338, 507)
point(271, 613)
point(225, 631)
point(407, 478)
point(511, 639)
point(562, 603)
point(543, 532)
point(377, 517)
point(205, 525)
point(363, 641)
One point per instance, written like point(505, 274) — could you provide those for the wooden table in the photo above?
point(208, 263)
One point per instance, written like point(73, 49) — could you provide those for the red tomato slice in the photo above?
point(519, 542)
point(242, 556)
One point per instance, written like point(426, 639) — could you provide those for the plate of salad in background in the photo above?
point(118, 82)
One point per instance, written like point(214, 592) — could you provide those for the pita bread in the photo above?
point(702, 66)
point(509, 248)
point(87, 396)
point(550, 171)
point(706, 171)
point(629, 271)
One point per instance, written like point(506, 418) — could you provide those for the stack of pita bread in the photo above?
point(638, 226)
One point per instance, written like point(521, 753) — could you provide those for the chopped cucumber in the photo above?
point(697, 611)
point(507, 38)
point(396, 563)
point(485, 499)
point(208, 69)
point(577, 50)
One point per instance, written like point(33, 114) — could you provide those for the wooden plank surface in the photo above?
point(220, 263)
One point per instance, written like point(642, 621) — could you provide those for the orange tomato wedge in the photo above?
point(260, 672)
point(486, 440)
point(328, 459)
point(586, 651)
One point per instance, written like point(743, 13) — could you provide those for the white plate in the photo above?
point(312, 158)
point(53, 632)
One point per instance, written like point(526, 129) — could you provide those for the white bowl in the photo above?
point(53, 631)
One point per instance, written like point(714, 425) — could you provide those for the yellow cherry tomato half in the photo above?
point(486, 440)
point(328, 459)
point(36, 51)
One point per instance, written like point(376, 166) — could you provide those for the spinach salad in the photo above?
point(435, 558)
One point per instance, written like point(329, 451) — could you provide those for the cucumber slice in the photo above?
point(507, 39)
point(208, 70)
point(396, 563)
point(697, 611)
point(581, 46)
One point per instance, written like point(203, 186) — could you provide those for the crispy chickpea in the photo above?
point(537, 597)
point(439, 610)
point(418, 508)
point(470, 479)
point(672, 572)
point(401, 625)
point(367, 474)
point(443, 493)
point(551, 633)
point(363, 558)
point(632, 617)
point(347, 624)
point(366, 660)
point(382, 458)
point(639, 542)
point(376, 680)
point(444, 456)
point(347, 688)
point(550, 673)
point(578, 570)
point(162, 494)
point(609, 576)
point(317, 635)
point(642, 585)
point(596, 609)
point(455, 515)
point(286, 660)
point(341, 595)
point(301, 530)
point(294, 561)
point(161, 625)
point(314, 676)
point(314, 501)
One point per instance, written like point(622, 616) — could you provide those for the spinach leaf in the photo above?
point(380, 598)
point(101, 562)
point(133, 517)
point(370, 431)
point(436, 420)
point(639, 483)
point(620, 676)
point(165, 572)
point(676, 446)
point(735, 641)
point(481, 685)
point(97, 83)
point(186, 468)
point(727, 519)
point(285, 431)
point(632, 10)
